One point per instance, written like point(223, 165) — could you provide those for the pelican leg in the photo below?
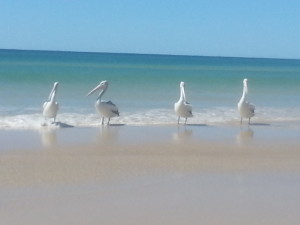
point(241, 122)
point(108, 121)
point(102, 121)
point(185, 120)
point(178, 120)
point(249, 121)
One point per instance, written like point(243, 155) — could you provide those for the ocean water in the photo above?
point(144, 87)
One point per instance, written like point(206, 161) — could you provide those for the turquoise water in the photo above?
point(144, 87)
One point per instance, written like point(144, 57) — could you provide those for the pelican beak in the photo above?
point(54, 89)
point(95, 89)
point(55, 86)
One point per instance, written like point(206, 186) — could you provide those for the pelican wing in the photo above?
point(189, 109)
point(251, 107)
point(109, 103)
point(116, 112)
point(111, 106)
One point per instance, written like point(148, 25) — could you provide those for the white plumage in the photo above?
point(246, 109)
point(106, 109)
point(182, 107)
point(50, 107)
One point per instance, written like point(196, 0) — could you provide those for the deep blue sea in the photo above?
point(144, 87)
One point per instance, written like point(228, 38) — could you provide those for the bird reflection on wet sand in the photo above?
point(182, 134)
point(107, 135)
point(245, 136)
point(48, 137)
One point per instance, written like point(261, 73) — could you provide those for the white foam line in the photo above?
point(149, 117)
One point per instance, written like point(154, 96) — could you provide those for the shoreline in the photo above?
point(206, 128)
point(66, 136)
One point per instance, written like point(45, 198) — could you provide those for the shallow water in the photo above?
point(144, 87)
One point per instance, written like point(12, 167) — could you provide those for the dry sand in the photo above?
point(151, 175)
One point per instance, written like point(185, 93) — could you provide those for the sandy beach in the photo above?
point(95, 97)
point(209, 174)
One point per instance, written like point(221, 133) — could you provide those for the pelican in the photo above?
point(182, 107)
point(105, 108)
point(50, 107)
point(245, 108)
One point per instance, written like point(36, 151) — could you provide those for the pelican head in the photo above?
point(182, 91)
point(182, 84)
point(102, 86)
point(55, 86)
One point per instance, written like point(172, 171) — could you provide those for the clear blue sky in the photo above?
point(245, 28)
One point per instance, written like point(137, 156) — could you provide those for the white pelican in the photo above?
point(50, 107)
point(182, 107)
point(245, 108)
point(105, 108)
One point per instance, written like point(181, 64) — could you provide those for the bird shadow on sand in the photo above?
point(116, 125)
point(195, 125)
point(61, 125)
point(260, 124)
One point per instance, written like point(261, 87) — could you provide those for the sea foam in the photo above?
point(218, 115)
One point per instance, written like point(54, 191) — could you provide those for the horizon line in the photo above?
point(135, 53)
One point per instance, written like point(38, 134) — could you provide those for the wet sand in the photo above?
point(151, 175)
